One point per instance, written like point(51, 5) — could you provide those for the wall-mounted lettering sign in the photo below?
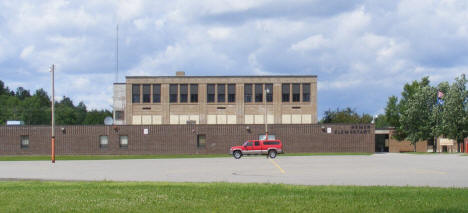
point(354, 129)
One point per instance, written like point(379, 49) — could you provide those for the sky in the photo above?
point(362, 51)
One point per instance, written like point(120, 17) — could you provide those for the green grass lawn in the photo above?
point(123, 157)
point(36, 196)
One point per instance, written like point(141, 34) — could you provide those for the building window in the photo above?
point(194, 93)
point(296, 92)
point(119, 115)
point(24, 141)
point(135, 93)
point(201, 141)
point(221, 93)
point(231, 93)
point(146, 93)
point(258, 92)
point(156, 93)
point(210, 93)
point(247, 93)
point(306, 92)
point(123, 141)
point(269, 94)
point(173, 90)
point(103, 141)
point(183, 93)
point(285, 92)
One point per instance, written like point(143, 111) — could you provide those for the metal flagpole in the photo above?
point(52, 69)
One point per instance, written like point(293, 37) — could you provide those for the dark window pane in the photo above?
point(156, 93)
point(173, 90)
point(194, 93)
point(269, 92)
point(285, 92)
point(296, 92)
point(231, 93)
point(24, 141)
point(119, 115)
point(221, 92)
point(305, 92)
point(247, 93)
point(210, 93)
point(146, 93)
point(123, 141)
point(135, 93)
point(183, 93)
point(258, 93)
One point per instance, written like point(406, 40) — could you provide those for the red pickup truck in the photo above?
point(258, 147)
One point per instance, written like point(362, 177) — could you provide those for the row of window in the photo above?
point(103, 141)
point(220, 93)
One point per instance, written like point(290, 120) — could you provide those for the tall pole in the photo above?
point(52, 69)
point(266, 120)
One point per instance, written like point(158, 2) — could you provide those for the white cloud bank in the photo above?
point(362, 51)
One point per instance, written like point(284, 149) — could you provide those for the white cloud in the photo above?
point(26, 52)
point(310, 43)
point(368, 47)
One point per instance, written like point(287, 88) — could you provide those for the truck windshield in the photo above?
point(245, 143)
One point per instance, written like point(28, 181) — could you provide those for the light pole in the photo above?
point(266, 120)
point(52, 69)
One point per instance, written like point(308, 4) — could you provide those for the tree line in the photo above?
point(35, 109)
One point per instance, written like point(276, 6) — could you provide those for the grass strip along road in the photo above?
point(123, 157)
point(36, 196)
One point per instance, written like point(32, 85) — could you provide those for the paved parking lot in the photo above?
point(444, 170)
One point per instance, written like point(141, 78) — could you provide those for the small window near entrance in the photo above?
point(24, 141)
point(123, 141)
point(201, 141)
point(103, 141)
point(257, 143)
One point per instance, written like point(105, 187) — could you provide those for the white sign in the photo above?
point(329, 130)
point(145, 131)
point(446, 142)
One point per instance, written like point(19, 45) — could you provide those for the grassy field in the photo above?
point(123, 157)
point(34, 196)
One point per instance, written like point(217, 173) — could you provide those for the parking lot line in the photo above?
point(277, 166)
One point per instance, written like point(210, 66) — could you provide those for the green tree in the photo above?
point(416, 111)
point(94, 117)
point(381, 121)
point(347, 115)
point(453, 113)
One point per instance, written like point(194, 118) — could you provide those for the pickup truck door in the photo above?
point(257, 147)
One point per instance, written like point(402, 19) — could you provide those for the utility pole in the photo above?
point(266, 120)
point(52, 69)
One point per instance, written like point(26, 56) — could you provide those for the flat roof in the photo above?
point(228, 76)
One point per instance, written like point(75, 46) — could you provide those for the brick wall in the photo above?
point(182, 139)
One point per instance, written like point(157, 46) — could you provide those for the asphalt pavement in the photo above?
point(441, 170)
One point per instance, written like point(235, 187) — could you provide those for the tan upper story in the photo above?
point(219, 99)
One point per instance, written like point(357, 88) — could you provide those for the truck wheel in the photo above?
point(272, 154)
point(237, 154)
